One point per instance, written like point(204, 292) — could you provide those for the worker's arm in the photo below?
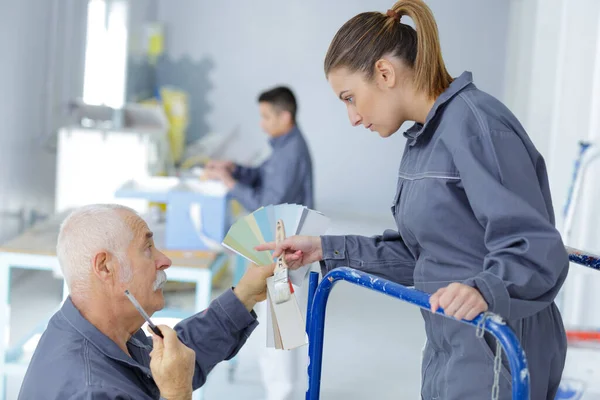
point(526, 262)
point(221, 169)
point(246, 175)
point(278, 178)
point(219, 332)
point(382, 255)
point(386, 255)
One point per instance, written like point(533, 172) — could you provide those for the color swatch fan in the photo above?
point(259, 227)
point(285, 322)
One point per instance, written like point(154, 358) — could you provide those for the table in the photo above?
point(35, 250)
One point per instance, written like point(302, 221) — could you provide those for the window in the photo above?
point(106, 53)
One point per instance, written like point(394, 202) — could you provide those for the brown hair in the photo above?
point(369, 36)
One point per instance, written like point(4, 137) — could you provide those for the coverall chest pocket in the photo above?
point(396, 201)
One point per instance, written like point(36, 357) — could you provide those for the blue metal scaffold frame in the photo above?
point(317, 301)
point(318, 294)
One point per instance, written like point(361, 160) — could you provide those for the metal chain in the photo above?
point(497, 368)
point(480, 325)
point(497, 359)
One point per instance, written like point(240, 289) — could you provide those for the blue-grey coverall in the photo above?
point(286, 177)
point(75, 361)
point(472, 206)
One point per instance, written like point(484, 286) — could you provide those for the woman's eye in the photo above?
point(350, 100)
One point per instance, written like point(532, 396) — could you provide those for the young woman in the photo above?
point(475, 224)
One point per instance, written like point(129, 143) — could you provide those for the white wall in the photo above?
point(35, 77)
point(519, 57)
point(552, 64)
point(255, 45)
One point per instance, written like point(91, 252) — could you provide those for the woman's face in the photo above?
point(376, 104)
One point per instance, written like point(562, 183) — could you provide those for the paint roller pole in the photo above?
point(494, 325)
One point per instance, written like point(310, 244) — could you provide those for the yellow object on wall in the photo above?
point(155, 41)
point(176, 106)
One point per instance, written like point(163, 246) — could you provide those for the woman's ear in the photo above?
point(385, 73)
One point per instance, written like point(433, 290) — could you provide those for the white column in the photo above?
point(554, 88)
point(586, 286)
point(547, 51)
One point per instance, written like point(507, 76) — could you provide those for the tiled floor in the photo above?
point(372, 345)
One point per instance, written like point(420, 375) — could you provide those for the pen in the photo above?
point(146, 317)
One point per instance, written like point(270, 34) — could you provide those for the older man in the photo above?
point(93, 347)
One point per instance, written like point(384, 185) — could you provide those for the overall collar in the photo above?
point(279, 141)
point(98, 339)
point(457, 86)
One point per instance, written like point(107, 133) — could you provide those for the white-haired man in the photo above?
point(93, 347)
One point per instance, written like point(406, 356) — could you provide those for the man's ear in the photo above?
point(103, 266)
point(286, 117)
point(385, 73)
point(283, 117)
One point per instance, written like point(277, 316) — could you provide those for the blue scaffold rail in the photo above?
point(317, 302)
point(584, 258)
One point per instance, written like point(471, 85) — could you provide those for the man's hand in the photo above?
point(298, 250)
point(172, 364)
point(459, 301)
point(252, 288)
point(221, 164)
point(220, 174)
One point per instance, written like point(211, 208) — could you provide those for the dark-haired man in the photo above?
point(286, 176)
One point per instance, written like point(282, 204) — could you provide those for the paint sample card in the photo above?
point(259, 227)
point(288, 324)
point(285, 321)
point(273, 334)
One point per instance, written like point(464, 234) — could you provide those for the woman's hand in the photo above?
point(298, 250)
point(459, 301)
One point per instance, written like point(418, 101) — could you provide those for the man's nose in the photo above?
point(163, 262)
